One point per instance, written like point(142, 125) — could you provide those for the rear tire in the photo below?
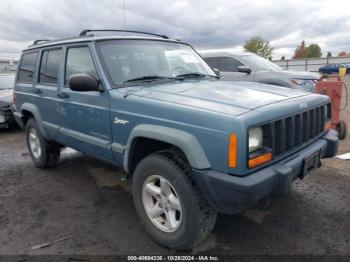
point(342, 130)
point(195, 220)
point(44, 154)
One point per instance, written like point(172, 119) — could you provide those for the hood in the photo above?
point(6, 97)
point(301, 74)
point(229, 97)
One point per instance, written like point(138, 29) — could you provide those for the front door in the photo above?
point(85, 115)
point(229, 70)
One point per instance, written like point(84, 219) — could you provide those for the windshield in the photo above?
point(7, 81)
point(141, 60)
point(260, 64)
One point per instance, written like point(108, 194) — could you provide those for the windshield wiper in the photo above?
point(151, 78)
point(196, 75)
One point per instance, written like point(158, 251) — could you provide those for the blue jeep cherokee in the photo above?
point(193, 145)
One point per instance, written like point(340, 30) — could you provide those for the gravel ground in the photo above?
point(85, 198)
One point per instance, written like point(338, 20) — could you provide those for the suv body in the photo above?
point(190, 142)
point(246, 66)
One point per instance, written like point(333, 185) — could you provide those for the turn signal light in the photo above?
point(232, 151)
point(262, 159)
point(327, 125)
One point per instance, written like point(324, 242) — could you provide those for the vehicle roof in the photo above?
point(224, 52)
point(91, 38)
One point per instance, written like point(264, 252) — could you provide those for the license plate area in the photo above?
point(310, 163)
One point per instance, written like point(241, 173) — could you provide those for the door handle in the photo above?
point(63, 95)
point(37, 91)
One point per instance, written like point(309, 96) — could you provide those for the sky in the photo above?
point(204, 24)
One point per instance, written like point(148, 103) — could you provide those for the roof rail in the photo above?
point(85, 31)
point(40, 40)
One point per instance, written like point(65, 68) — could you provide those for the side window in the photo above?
point(26, 68)
point(49, 66)
point(229, 64)
point(214, 62)
point(79, 61)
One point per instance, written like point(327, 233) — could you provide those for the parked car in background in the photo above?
point(6, 100)
point(245, 66)
point(333, 68)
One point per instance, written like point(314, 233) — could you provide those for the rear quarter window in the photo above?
point(26, 68)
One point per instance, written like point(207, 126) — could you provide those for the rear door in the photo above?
point(46, 86)
point(85, 122)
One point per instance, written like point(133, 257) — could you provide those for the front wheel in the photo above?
point(44, 154)
point(169, 204)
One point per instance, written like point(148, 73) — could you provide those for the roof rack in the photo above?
point(85, 31)
point(40, 40)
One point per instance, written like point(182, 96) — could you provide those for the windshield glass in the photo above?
point(260, 64)
point(7, 81)
point(127, 60)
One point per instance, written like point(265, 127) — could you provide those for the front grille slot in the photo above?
point(293, 131)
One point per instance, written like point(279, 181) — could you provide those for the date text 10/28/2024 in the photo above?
point(173, 258)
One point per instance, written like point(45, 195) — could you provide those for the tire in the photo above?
point(44, 154)
point(197, 218)
point(342, 130)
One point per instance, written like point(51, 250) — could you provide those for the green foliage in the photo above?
point(314, 50)
point(259, 46)
point(304, 51)
point(300, 51)
point(329, 54)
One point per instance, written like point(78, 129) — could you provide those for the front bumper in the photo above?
point(231, 194)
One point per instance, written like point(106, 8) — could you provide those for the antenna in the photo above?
point(124, 15)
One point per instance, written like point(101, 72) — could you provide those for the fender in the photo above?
point(183, 140)
point(35, 111)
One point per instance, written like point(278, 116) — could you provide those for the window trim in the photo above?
point(34, 67)
point(77, 45)
point(59, 65)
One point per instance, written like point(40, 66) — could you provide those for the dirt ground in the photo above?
point(85, 198)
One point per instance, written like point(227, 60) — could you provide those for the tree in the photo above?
point(259, 46)
point(342, 53)
point(329, 54)
point(300, 51)
point(314, 50)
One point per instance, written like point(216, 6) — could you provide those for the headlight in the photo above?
point(255, 138)
point(304, 82)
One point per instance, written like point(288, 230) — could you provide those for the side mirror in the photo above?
point(83, 83)
point(216, 71)
point(244, 69)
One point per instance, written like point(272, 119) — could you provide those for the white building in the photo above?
point(8, 65)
